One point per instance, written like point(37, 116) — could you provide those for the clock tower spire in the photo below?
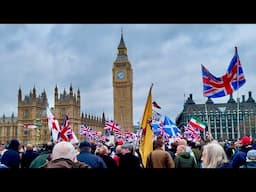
point(123, 88)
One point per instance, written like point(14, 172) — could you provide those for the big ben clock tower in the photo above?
point(122, 88)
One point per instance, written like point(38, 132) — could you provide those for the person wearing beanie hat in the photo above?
point(250, 159)
point(251, 154)
point(88, 157)
point(84, 144)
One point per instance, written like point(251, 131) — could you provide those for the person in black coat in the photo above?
point(11, 157)
point(128, 160)
point(103, 152)
point(28, 156)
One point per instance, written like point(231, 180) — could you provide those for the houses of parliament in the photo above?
point(32, 110)
point(32, 107)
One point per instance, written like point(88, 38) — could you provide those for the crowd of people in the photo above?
point(88, 154)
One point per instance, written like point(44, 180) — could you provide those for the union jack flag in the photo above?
point(84, 130)
point(66, 133)
point(214, 87)
point(112, 126)
point(191, 133)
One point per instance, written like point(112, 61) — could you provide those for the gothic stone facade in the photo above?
point(32, 110)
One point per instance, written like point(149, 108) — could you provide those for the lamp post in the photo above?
point(38, 129)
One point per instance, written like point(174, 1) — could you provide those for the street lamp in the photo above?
point(39, 125)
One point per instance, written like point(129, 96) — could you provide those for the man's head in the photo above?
point(127, 148)
point(64, 150)
point(29, 147)
point(49, 146)
point(245, 140)
point(85, 146)
point(118, 148)
point(251, 154)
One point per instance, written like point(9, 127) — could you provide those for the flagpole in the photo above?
point(238, 126)
point(207, 119)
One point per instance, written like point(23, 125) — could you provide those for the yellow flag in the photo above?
point(146, 144)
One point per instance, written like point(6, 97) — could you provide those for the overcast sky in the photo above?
point(168, 55)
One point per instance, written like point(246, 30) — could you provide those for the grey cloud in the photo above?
point(168, 55)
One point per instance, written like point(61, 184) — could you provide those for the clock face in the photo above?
point(120, 75)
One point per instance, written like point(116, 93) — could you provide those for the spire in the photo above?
point(122, 44)
point(209, 101)
point(56, 90)
point(70, 90)
point(231, 100)
point(243, 98)
point(34, 92)
point(19, 94)
point(3, 117)
point(78, 93)
point(78, 96)
point(250, 99)
point(103, 117)
point(56, 94)
point(122, 51)
point(44, 95)
point(190, 99)
point(12, 117)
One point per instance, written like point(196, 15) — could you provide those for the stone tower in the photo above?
point(123, 88)
point(32, 110)
point(68, 104)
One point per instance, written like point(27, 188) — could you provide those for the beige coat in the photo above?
point(159, 159)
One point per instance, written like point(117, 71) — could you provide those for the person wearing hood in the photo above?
point(250, 159)
point(11, 157)
point(183, 159)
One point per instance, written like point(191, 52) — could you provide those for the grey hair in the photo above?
point(64, 150)
point(214, 154)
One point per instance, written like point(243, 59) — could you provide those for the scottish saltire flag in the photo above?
point(170, 128)
point(214, 87)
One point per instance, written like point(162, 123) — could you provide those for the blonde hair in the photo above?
point(214, 155)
